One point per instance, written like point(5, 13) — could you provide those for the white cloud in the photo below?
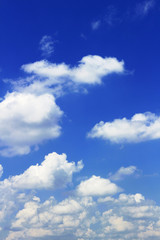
point(141, 127)
point(122, 172)
point(90, 70)
point(27, 120)
point(1, 170)
point(97, 186)
point(96, 24)
point(118, 224)
point(47, 46)
point(54, 172)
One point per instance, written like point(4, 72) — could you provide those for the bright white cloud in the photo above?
point(26, 120)
point(90, 70)
point(54, 172)
point(97, 186)
point(47, 46)
point(122, 172)
point(141, 127)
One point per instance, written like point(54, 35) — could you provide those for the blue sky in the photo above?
point(80, 120)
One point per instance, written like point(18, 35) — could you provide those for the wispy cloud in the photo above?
point(96, 24)
point(46, 46)
point(144, 7)
point(123, 172)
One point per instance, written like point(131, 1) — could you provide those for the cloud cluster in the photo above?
point(141, 127)
point(90, 212)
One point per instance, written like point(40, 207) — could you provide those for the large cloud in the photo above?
point(26, 120)
point(54, 172)
point(141, 127)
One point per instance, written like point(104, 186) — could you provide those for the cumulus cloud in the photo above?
point(27, 120)
point(46, 46)
point(123, 172)
point(141, 127)
point(76, 216)
point(90, 70)
point(54, 172)
point(97, 186)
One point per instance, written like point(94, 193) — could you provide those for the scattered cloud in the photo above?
point(46, 46)
point(123, 172)
point(141, 127)
point(30, 115)
point(96, 24)
point(80, 215)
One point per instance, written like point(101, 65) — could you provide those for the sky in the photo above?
point(79, 120)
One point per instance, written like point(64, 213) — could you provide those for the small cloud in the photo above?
point(111, 17)
point(143, 8)
point(123, 172)
point(47, 46)
point(96, 24)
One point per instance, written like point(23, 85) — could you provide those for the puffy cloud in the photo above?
point(122, 172)
point(54, 172)
point(90, 70)
point(141, 127)
point(47, 46)
point(27, 120)
point(97, 186)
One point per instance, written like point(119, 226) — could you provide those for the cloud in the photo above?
point(77, 216)
point(30, 115)
point(123, 172)
point(144, 7)
point(27, 120)
point(1, 170)
point(54, 172)
point(90, 70)
point(47, 46)
point(141, 127)
point(97, 186)
point(96, 24)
